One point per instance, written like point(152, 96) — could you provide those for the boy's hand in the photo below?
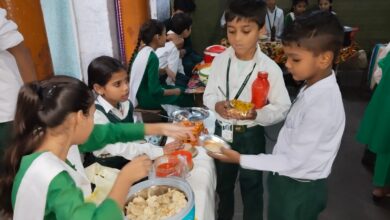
point(172, 147)
point(237, 115)
point(182, 53)
point(221, 108)
point(228, 156)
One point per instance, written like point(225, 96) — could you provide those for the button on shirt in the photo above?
point(278, 98)
point(127, 150)
point(10, 79)
point(310, 138)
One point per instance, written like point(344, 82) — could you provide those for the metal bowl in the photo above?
point(190, 114)
point(218, 143)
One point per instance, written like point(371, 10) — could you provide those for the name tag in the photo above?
point(227, 131)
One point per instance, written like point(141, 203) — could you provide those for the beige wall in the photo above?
point(371, 16)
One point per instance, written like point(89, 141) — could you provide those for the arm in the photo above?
point(278, 98)
point(24, 61)
point(210, 96)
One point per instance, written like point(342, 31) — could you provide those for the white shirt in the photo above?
point(10, 79)
point(278, 98)
point(274, 18)
point(169, 56)
point(127, 150)
point(310, 138)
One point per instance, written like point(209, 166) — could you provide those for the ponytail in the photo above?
point(135, 52)
point(40, 106)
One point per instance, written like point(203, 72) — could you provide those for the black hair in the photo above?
point(146, 34)
point(318, 31)
point(331, 7)
point(254, 10)
point(296, 2)
point(180, 22)
point(187, 6)
point(100, 70)
point(40, 105)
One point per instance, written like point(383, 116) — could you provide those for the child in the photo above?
point(297, 9)
point(169, 55)
point(51, 116)
point(110, 81)
point(16, 67)
point(274, 20)
point(374, 131)
point(326, 5)
point(245, 22)
point(145, 88)
point(310, 138)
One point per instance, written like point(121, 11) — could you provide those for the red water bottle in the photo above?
point(260, 88)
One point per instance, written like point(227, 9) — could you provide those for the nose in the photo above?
point(288, 64)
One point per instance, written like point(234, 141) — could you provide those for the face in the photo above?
point(161, 39)
point(271, 4)
point(324, 5)
point(117, 88)
point(84, 125)
point(187, 32)
point(300, 8)
point(243, 36)
point(301, 63)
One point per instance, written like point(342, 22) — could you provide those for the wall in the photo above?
point(372, 17)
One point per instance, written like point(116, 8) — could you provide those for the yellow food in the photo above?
point(240, 107)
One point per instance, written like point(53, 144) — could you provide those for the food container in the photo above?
point(240, 107)
point(211, 52)
point(213, 143)
point(186, 154)
point(170, 165)
point(159, 186)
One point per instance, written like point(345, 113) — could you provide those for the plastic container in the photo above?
point(187, 213)
point(187, 155)
point(167, 165)
point(260, 89)
point(211, 52)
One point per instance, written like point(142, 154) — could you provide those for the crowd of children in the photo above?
point(53, 115)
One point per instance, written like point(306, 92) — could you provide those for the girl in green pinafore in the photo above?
point(39, 182)
point(145, 88)
point(374, 131)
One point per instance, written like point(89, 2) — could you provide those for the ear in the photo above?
point(98, 89)
point(262, 31)
point(326, 59)
point(79, 117)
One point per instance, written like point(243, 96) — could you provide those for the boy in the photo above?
point(229, 70)
point(169, 55)
point(274, 20)
point(310, 138)
point(16, 67)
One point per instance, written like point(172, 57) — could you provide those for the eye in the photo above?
point(296, 60)
point(117, 84)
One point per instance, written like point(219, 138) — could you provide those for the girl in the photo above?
point(110, 81)
point(297, 9)
point(39, 182)
point(326, 5)
point(145, 88)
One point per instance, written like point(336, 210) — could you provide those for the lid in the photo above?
point(262, 74)
point(215, 49)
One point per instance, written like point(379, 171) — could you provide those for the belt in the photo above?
point(296, 179)
point(239, 128)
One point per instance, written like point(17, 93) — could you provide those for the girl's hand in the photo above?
point(137, 169)
point(228, 156)
point(178, 131)
point(172, 147)
point(221, 108)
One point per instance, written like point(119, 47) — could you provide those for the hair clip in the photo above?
point(51, 91)
point(37, 131)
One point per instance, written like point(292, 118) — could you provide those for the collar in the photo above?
point(105, 104)
point(323, 83)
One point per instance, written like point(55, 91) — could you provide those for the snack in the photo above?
point(156, 207)
point(213, 146)
point(240, 107)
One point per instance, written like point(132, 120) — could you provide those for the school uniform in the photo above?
point(145, 88)
point(169, 56)
point(58, 191)
point(248, 135)
point(10, 79)
point(304, 153)
point(374, 127)
point(289, 19)
point(274, 19)
point(117, 155)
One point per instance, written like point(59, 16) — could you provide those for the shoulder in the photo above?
point(267, 64)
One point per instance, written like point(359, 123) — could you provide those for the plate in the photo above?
point(190, 114)
point(213, 143)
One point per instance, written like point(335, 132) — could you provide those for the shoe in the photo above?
point(380, 194)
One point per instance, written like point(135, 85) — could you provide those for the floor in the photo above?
point(349, 184)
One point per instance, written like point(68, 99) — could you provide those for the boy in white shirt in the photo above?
point(169, 55)
point(16, 67)
point(310, 138)
point(232, 74)
point(274, 20)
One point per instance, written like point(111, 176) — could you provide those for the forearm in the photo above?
point(120, 189)
point(169, 92)
point(24, 61)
